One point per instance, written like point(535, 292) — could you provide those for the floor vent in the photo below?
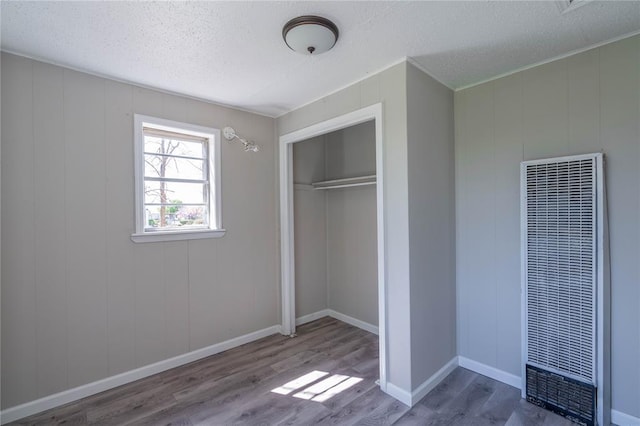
point(564, 294)
point(567, 397)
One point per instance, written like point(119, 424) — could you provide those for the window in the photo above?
point(177, 177)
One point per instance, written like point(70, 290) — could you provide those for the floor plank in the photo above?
point(235, 388)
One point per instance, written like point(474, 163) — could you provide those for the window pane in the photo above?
point(154, 144)
point(175, 217)
point(174, 193)
point(173, 167)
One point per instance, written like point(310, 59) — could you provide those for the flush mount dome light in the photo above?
point(310, 35)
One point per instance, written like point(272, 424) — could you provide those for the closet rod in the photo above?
point(345, 183)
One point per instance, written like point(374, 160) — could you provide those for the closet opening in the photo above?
point(332, 225)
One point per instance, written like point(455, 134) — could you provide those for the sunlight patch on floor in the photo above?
point(301, 381)
point(319, 391)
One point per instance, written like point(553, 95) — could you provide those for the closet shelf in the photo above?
point(345, 182)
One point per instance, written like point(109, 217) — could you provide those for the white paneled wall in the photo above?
point(589, 102)
point(388, 87)
point(430, 169)
point(407, 353)
point(80, 301)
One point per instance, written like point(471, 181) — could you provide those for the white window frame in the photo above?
point(214, 230)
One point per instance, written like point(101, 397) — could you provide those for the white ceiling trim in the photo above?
point(136, 84)
point(333, 92)
point(232, 53)
point(547, 61)
point(427, 72)
point(375, 72)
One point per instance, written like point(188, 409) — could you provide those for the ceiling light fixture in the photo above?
point(310, 35)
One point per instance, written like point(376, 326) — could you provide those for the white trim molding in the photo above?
point(398, 393)
point(339, 316)
point(492, 372)
point(411, 398)
point(433, 381)
point(617, 417)
point(209, 137)
point(549, 60)
point(354, 321)
point(177, 236)
point(622, 419)
point(33, 407)
point(287, 254)
point(312, 317)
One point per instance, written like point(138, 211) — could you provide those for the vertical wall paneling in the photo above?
point(310, 227)
point(50, 228)
point(150, 297)
point(394, 96)
point(585, 103)
point(310, 250)
point(583, 106)
point(203, 303)
point(80, 301)
point(370, 91)
point(176, 289)
point(480, 174)
point(508, 116)
point(430, 141)
point(388, 87)
point(352, 252)
point(84, 131)
point(174, 257)
point(545, 129)
point(335, 230)
point(150, 325)
point(352, 282)
point(619, 105)
point(121, 264)
point(463, 249)
point(19, 348)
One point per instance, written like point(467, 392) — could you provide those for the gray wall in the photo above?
point(589, 102)
point(390, 88)
point(351, 152)
point(310, 227)
point(352, 267)
point(352, 250)
point(431, 221)
point(335, 230)
point(80, 301)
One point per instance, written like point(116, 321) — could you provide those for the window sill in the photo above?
point(152, 237)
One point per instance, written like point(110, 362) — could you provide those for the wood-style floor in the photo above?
point(235, 388)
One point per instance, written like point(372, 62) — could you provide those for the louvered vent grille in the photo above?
point(560, 266)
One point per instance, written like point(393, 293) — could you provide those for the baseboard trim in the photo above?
point(433, 381)
point(399, 394)
point(70, 395)
point(411, 398)
point(312, 317)
point(354, 321)
point(622, 419)
point(339, 316)
point(492, 372)
point(617, 417)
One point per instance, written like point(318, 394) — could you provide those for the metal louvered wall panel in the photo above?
point(560, 218)
point(561, 266)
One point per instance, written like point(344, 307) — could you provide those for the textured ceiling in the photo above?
point(233, 53)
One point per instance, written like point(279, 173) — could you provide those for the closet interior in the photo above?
point(335, 226)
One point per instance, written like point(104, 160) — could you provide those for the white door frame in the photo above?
point(373, 112)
